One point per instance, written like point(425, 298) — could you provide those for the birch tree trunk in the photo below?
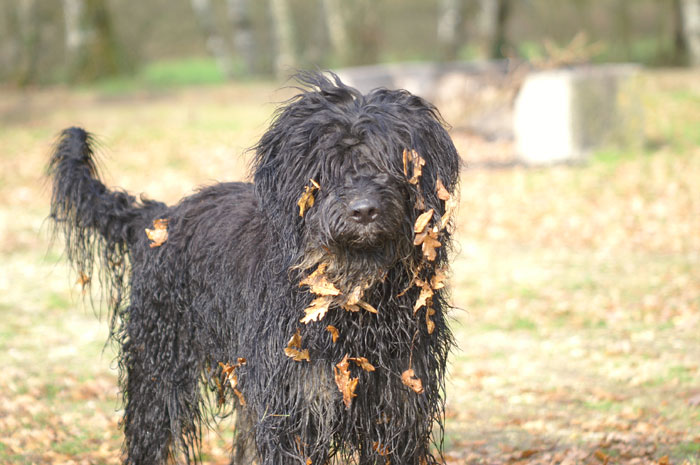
point(493, 17)
point(215, 41)
point(243, 43)
point(690, 21)
point(337, 30)
point(449, 19)
point(92, 50)
point(283, 34)
point(27, 42)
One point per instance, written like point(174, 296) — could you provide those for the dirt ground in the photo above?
point(576, 289)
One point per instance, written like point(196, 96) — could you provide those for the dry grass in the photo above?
point(578, 289)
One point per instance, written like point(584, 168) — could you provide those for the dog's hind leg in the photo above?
point(162, 417)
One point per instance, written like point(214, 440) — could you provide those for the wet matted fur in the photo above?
point(224, 286)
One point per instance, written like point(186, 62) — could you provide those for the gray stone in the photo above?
point(563, 115)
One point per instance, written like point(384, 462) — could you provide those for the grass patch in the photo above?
point(164, 75)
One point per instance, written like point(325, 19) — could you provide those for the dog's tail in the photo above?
point(98, 224)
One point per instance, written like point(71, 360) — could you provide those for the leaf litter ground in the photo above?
point(578, 289)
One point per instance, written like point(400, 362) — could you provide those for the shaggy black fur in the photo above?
point(225, 285)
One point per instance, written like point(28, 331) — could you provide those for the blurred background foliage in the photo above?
point(204, 41)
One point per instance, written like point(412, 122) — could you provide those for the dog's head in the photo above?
point(332, 173)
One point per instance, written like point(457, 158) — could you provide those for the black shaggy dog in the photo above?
point(310, 301)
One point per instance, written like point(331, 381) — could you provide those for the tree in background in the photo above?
point(687, 30)
point(239, 16)
point(449, 21)
point(492, 21)
point(283, 38)
point(92, 49)
point(24, 50)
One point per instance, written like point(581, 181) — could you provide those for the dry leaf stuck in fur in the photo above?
point(363, 363)
point(409, 378)
point(307, 199)
point(229, 373)
point(422, 221)
point(450, 209)
point(317, 309)
point(159, 234)
point(428, 241)
point(426, 294)
point(430, 324)
point(346, 384)
point(334, 332)
point(438, 280)
point(318, 283)
point(442, 192)
point(294, 350)
point(418, 164)
point(83, 280)
point(354, 301)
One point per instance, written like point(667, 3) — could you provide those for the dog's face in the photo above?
point(348, 149)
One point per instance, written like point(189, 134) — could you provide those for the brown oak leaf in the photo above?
point(294, 350)
point(418, 163)
point(430, 243)
point(317, 309)
point(346, 384)
point(334, 332)
point(430, 324)
point(159, 234)
point(318, 283)
point(363, 363)
point(426, 294)
point(442, 192)
point(438, 280)
point(307, 199)
point(450, 208)
point(409, 378)
point(422, 221)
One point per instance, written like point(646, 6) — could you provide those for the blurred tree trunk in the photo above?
point(493, 19)
point(284, 60)
point(363, 27)
point(25, 51)
point(337, 30)
point(91, 45)
point(688, 30)
point(216, 43)
point(449, 19)
point(243, 43)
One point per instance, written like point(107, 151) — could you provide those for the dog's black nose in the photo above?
point(364, 210)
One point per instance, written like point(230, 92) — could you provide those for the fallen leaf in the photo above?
point(438, 280)
point(294, 351)
point(450, 208)
point(317, 309)
point(420, 202)
point(346, 384)
point(602, 456)
point(318, 283)
point(426, 293)
point(418, 163)
point(354, 301)
point(429, 244)
point(422, 221)
point(229, 375)
point(406, 160)
point(409, 378)
point(430, 324)
point(363, 363)
point(334, 332)
point(159, 234)
point(381, 450)
point(307, 199)
point(83, 280)
point(442, 192)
